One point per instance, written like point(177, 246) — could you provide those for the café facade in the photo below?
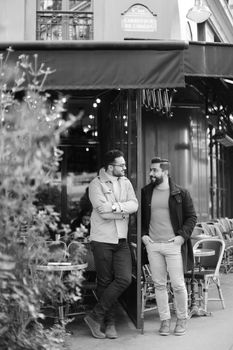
point(167, 98)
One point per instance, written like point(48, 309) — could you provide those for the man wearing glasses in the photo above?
point(113, 200)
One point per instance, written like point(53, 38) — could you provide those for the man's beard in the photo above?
point(117, 174)
point(156, 181)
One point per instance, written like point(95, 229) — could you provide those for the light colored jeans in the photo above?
point(166, 258)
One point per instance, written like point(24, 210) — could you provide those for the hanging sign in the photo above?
point(138, 18)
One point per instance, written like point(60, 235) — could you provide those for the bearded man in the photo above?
point(168, 219)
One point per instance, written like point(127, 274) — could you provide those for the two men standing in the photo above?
point(168, 219)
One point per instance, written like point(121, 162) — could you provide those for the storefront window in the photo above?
point(103, 120)
point(120, 125)
point(80, 146)
point(119, 118)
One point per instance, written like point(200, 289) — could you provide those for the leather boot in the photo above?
point(94, 327)
point(111, 332)
point(180, 327)
point(165, 327)
point(95, 320)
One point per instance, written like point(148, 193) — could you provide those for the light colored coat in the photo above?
point(105, 227)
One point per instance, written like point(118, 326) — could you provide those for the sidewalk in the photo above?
point(209, 333)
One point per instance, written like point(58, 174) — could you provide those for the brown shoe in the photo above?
point(94, 327)
point(165, 327)
point(111, 332)
point(180, 327)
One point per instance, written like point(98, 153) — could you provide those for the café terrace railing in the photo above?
point(64, 25)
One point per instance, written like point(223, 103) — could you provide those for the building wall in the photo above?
point(21, 14)
point(12, 20)
point(108, 14)
point(18, 20)
point(30, 20)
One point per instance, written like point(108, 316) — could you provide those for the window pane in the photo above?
point(50, 5)
point(80, 27)
point(50, 27)
point(78, 5)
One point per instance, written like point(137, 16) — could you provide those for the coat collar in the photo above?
point(105, 177)
point(174, 189)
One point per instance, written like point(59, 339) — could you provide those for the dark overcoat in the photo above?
point(182, 214)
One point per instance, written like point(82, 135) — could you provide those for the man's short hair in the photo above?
point(110, 156)
point(164, 163)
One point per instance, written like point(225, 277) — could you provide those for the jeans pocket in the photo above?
point(177, 246)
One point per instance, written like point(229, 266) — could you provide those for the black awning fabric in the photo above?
point(127, 65)
point(209, 60)
point(115, 69)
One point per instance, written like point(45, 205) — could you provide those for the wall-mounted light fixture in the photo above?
point(199, 13)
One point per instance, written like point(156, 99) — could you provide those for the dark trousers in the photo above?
point(114, 271)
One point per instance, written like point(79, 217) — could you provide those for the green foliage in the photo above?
point(30, 129)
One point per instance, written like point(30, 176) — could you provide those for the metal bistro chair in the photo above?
point(199, 232)
point(209, 271)
point(57, 256)
point(207, 229)
point(88, 286)
point(224, 233)
point(57, 250)
point(148, 300)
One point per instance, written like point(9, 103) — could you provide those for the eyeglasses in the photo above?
point(120, 165)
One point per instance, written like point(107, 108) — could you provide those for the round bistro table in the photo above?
point(195, 309)
point(61, 267)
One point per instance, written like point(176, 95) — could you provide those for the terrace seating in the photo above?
point(208, 227)
point(223, 229)
point(199, 232)
point(207, 271)
point(68, 268)
point(89, 284)
point(148, 301)
point(57, 251)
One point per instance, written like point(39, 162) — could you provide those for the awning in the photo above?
point(126, 64)
point(209, 60)
point(107, 65)
point(206, 65)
